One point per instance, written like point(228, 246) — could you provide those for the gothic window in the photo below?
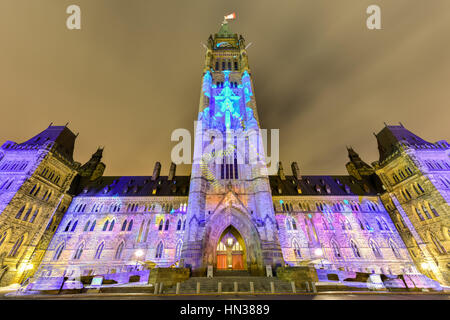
point(223, 65)
point(436, 214)
point(297, 251)
point(16, 247)
point(93, 226)
point(375, 249)
point(19, 213)
point(236, 65)
point(419, 214)
point(166, 227)
point(324, 223)
point(147, 230)
point(229, 65)
point(178, 249)
point(124, 225)
point(217, 65)
point(368, 227)
point(288, 224)
point(111, 226)
point(385, 225)
point(79, 251)
point(184, 224)
point(159, 250)
point(179, 225)
point(130, 225)
point(58, 252)
point(361, 226)
point(420, 187)
point(105, 225)
point(379, 224)
point(32, 189)
point(86, 226)
point(355, 249)
point(25, 217)
point(119, 250)
point(407, 192)
point(426, 211)
point(161, 224)
point(394, 249)
point(2, 238)
point(438, 244)
point(37, 191)
point(294, 225)
point(68, 226)
point(99, 251)
point(336, 250)
point(74, 226)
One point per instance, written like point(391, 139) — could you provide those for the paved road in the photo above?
point(321, 296)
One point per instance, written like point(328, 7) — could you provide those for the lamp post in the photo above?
point(139, 253)
point(319, 253)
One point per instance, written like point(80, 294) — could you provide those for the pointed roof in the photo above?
point(224, 31)
point(390, 138)
point(62, 136)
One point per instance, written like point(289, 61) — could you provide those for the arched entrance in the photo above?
point(231, 251)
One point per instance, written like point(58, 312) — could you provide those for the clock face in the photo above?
point(223, 44)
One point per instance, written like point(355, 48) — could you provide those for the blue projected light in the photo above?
point(227, 100)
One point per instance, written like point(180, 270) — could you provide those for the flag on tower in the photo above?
point(231, 16)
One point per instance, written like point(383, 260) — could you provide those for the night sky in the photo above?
point(132, 74)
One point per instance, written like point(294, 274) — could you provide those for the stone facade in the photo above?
point(34, 179)
point(230, 213)
point(416, 175)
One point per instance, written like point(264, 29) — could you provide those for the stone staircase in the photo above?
point(211, 285)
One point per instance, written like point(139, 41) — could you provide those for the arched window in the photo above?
point(111, 226)
point(385, 225)
point(166, 227)
point(32, 189)
point(419, 214)
point(68, 226)
point(179, 225)
point(159, 250)
point(93, 225)
point(379, 224)
point(16, 247)
point(25, 217)
point(288, 224)
point(178, 249)
point(58, 252)
point(34, 216)
point(161, 224)
point(324, 223)
point(336, 250)
point(2, 238)
point(394, 249)
point(420, 187)
point(147, 230)
point(119, 250)
point(294, 225)
point(424, 208)
point(436, 214)
point(19, 213)
point(124, 225)
point(74, 226)
point(141, 229)
point(440, 248)
point(86, 226)
point(375, 249)
point(79, 251)
point(105, 225)
point(296, 247)
point(130, 225)
point(99, 251)
point(355, 249)
point(184, 224)
point(361, 226)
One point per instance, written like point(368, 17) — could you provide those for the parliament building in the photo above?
point(60, 218)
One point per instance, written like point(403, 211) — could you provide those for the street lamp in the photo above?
point(319, 253)
point(139, 253)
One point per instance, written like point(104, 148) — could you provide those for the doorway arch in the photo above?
point(230, 250)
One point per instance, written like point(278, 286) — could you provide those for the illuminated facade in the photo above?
point(229, 213)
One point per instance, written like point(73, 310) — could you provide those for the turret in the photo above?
point(94, 168)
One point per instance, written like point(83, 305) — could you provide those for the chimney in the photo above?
point(156, 171)
point(281, 171)
point(296, 170)
point(173, 168)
